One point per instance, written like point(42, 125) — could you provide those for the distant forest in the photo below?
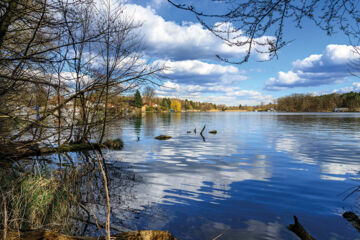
point(347, 102)
point(324, 103)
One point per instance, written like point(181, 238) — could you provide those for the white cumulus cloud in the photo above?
point(332, 66)
point(215, 93)
point(355, 87)
point(188, 40)
point(198, 72)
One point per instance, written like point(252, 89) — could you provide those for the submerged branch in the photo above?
point(353, 219)
point(201, 133)
point(299, 230)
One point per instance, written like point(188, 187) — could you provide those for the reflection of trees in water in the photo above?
point(176, 118)
point(166, 119)
point(163, 121)
point(149, 124)
point(321, 121)
point(137, 125)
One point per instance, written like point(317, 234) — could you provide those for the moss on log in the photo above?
point(116, 144)
point(77, 147)
point(50, 235)
point(163, 137)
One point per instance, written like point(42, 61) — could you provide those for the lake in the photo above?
point(245, 182)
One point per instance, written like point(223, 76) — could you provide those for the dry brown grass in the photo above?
point(37, 201)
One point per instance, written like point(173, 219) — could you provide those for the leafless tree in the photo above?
point(61, 63)
point(148, 94)
point(120, 63)
point(76, 54)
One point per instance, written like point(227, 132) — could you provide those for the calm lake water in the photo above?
point(245, 182)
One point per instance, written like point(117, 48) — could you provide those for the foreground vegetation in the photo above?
point(67, 201)
point(67, 69)
point(61, 65)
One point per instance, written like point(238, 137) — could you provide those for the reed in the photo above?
point(37, 201)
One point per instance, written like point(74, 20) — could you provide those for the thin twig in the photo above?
point(5, 216)
point(107, 224)
point(218, 236)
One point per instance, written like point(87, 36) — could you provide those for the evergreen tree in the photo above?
point(138, 99)
point(169, 102)
point(165, 103)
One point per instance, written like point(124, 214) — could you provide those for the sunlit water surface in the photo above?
point(245, 182)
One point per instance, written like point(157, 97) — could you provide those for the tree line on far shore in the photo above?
point(152, 103)
point(348, 102)
point(345, 102)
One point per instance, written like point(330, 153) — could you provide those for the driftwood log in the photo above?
point(299, 230)
point(50, 235)
point(22, 149)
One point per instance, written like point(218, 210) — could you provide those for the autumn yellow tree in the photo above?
point(176, 105)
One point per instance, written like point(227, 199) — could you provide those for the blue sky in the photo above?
point(313, 63)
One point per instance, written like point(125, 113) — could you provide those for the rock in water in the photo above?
point(163, 137)
point(116, 144)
